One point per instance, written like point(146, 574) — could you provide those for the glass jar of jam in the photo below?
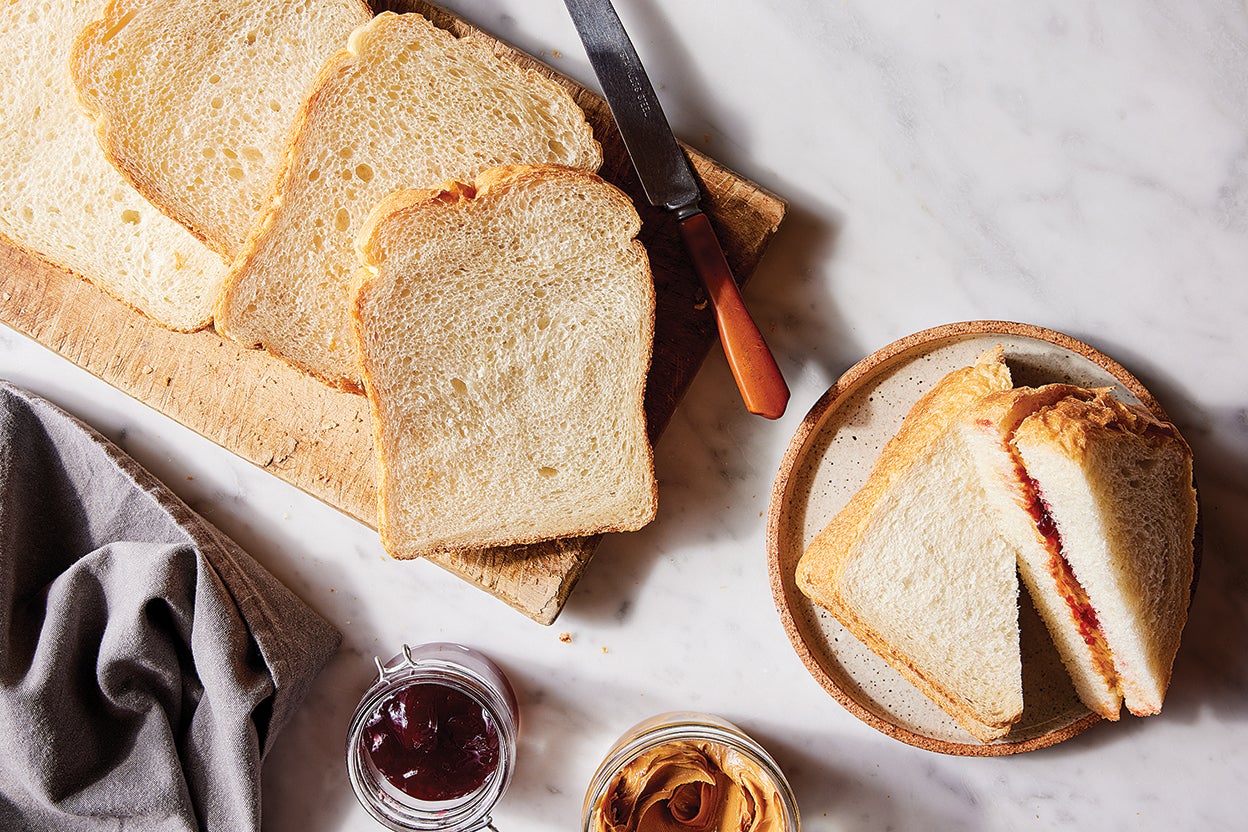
point(432, 745)
point(688, 771)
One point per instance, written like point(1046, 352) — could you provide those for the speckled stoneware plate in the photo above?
point(829, 459)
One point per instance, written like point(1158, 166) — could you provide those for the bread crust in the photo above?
point(1077, 420)
point(400, 206)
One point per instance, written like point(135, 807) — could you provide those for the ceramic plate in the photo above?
point(829, 459)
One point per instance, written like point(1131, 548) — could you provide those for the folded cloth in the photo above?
point(146, 662)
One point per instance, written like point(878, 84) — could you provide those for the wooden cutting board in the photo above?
point(319, 439)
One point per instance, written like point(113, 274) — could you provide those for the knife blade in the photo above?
point(669, 182)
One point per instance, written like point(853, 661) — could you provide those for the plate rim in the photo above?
point(784, 477)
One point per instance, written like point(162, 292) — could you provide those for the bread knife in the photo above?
point(668, 181)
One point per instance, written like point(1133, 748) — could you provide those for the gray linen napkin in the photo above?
point(146, 662)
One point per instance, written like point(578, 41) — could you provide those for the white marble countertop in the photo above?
point(1080, 166)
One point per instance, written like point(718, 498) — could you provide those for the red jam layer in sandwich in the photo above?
point(1067, 584)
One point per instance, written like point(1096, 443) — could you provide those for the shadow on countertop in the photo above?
point(715, 463)
point(1211, 670)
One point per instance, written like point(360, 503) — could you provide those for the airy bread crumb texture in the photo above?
point(195, 101)
point(62, 200)
point(505, 331)
point(407, 105)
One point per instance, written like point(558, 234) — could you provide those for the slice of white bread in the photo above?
point(505, 330)
point(406, 105)
point(1118, 486)
point(60, 198)
point(915, 567)
point(194, 101)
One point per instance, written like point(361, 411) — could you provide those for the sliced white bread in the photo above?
point(194, 101)
point(915, 568)
point(989, 428)
point(60, 198)
point(406, 105)
point(1117, 484)
point(505, 331)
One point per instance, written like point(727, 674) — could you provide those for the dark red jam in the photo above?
point(432, 742)
point(1067, 584)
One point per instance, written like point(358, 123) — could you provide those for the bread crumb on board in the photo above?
point(566, 638)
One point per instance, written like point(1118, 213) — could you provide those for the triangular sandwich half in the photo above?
point(915, 567)
point(1097, 496)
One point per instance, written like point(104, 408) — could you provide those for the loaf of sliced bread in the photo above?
point(60, 198)
point(406, 105)
point(194, 101)
point(505, 330)
point(1097, 497)
point(914, 566)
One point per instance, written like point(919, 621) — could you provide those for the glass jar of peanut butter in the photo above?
point(689, 772)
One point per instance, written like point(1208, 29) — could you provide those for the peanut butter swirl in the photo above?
point(690, 786)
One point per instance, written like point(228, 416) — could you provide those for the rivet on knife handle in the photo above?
point(758, 378)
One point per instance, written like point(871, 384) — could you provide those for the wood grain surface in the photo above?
point(318, 439)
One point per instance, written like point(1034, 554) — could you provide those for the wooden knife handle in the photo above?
point(753, 366)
